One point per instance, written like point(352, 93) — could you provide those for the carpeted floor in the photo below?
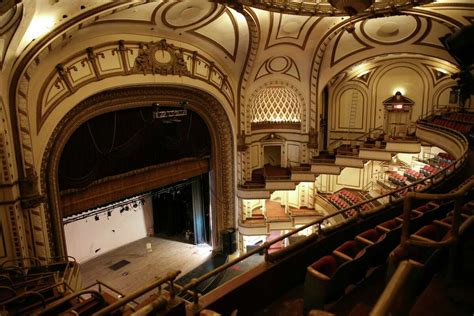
point(215, 261)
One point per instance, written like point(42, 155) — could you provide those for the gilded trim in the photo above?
point(202, 103)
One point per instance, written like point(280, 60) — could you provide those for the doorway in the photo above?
point(272, 155)
point(181, 211)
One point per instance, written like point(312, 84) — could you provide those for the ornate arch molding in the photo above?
point(205, 105)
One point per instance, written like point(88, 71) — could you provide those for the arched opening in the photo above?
point(136, 102)
point(123, 150)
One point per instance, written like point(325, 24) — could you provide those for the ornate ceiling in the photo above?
point(245, 44)
point(325, 8)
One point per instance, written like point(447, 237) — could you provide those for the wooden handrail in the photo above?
point(169, 277)
point(397, 284)
point(413, 196)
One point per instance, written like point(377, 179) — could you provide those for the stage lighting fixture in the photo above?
point(96, 217)
point(109, 213)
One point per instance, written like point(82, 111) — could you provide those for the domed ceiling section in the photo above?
point(274, 105)
point(331, 7)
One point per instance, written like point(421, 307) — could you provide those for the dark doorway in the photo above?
point(181, 211)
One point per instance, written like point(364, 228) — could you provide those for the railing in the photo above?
point(388, 302)
point(394, 197)
point(58, 303)
point(361, 138)
point(157, 284)
point(413, 196)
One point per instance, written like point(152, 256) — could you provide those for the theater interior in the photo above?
point(236, 157)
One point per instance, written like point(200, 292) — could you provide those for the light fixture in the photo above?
point(399, 90)
point(351, 7)
point(109, 213)
point(40, 25)
point(168, 116)
point(96, 217)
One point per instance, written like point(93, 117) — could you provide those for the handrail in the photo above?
point(68, 298)
point(24, 294)
point(169, 277)
point(38, 262)
point(266, 245)
point(359, 138)
point(411, 196)
point(99, 284)
point(390, 296)
point(16, 260)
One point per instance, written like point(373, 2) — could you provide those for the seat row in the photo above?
point(344, 199)
point(428, 170)
point(463, 128)
point(438, 230)
point(397, 179)
point(463, 117)
point(327, 278)
point(413, 175)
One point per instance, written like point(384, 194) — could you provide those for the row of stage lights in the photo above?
point(131, 204)
point(125, 206)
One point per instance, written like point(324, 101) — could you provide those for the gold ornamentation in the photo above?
point(160, 58)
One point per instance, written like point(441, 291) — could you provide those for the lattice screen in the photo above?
point(276, 104)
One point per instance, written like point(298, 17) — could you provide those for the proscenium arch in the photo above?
point(205, 105)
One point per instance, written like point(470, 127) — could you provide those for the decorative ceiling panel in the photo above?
point(276, 104)
point(187, 13)
point(390, 30)
point(227, 38)
point(323, 7)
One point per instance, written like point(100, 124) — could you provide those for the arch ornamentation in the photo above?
point(211, 111)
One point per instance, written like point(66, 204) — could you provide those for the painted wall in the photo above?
point(88, 238)
point(356, 99)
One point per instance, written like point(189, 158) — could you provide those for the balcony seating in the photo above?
point(449, 219)
point(354, 251)
point(392, 228)
point(344, 199)
point(432, 232)
point(377, 248)
point(415, 218)
point(461, 127)
point(413, 175)
point(461, 117)
point(428, 170)
point(325, 281)
point(397, 179)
